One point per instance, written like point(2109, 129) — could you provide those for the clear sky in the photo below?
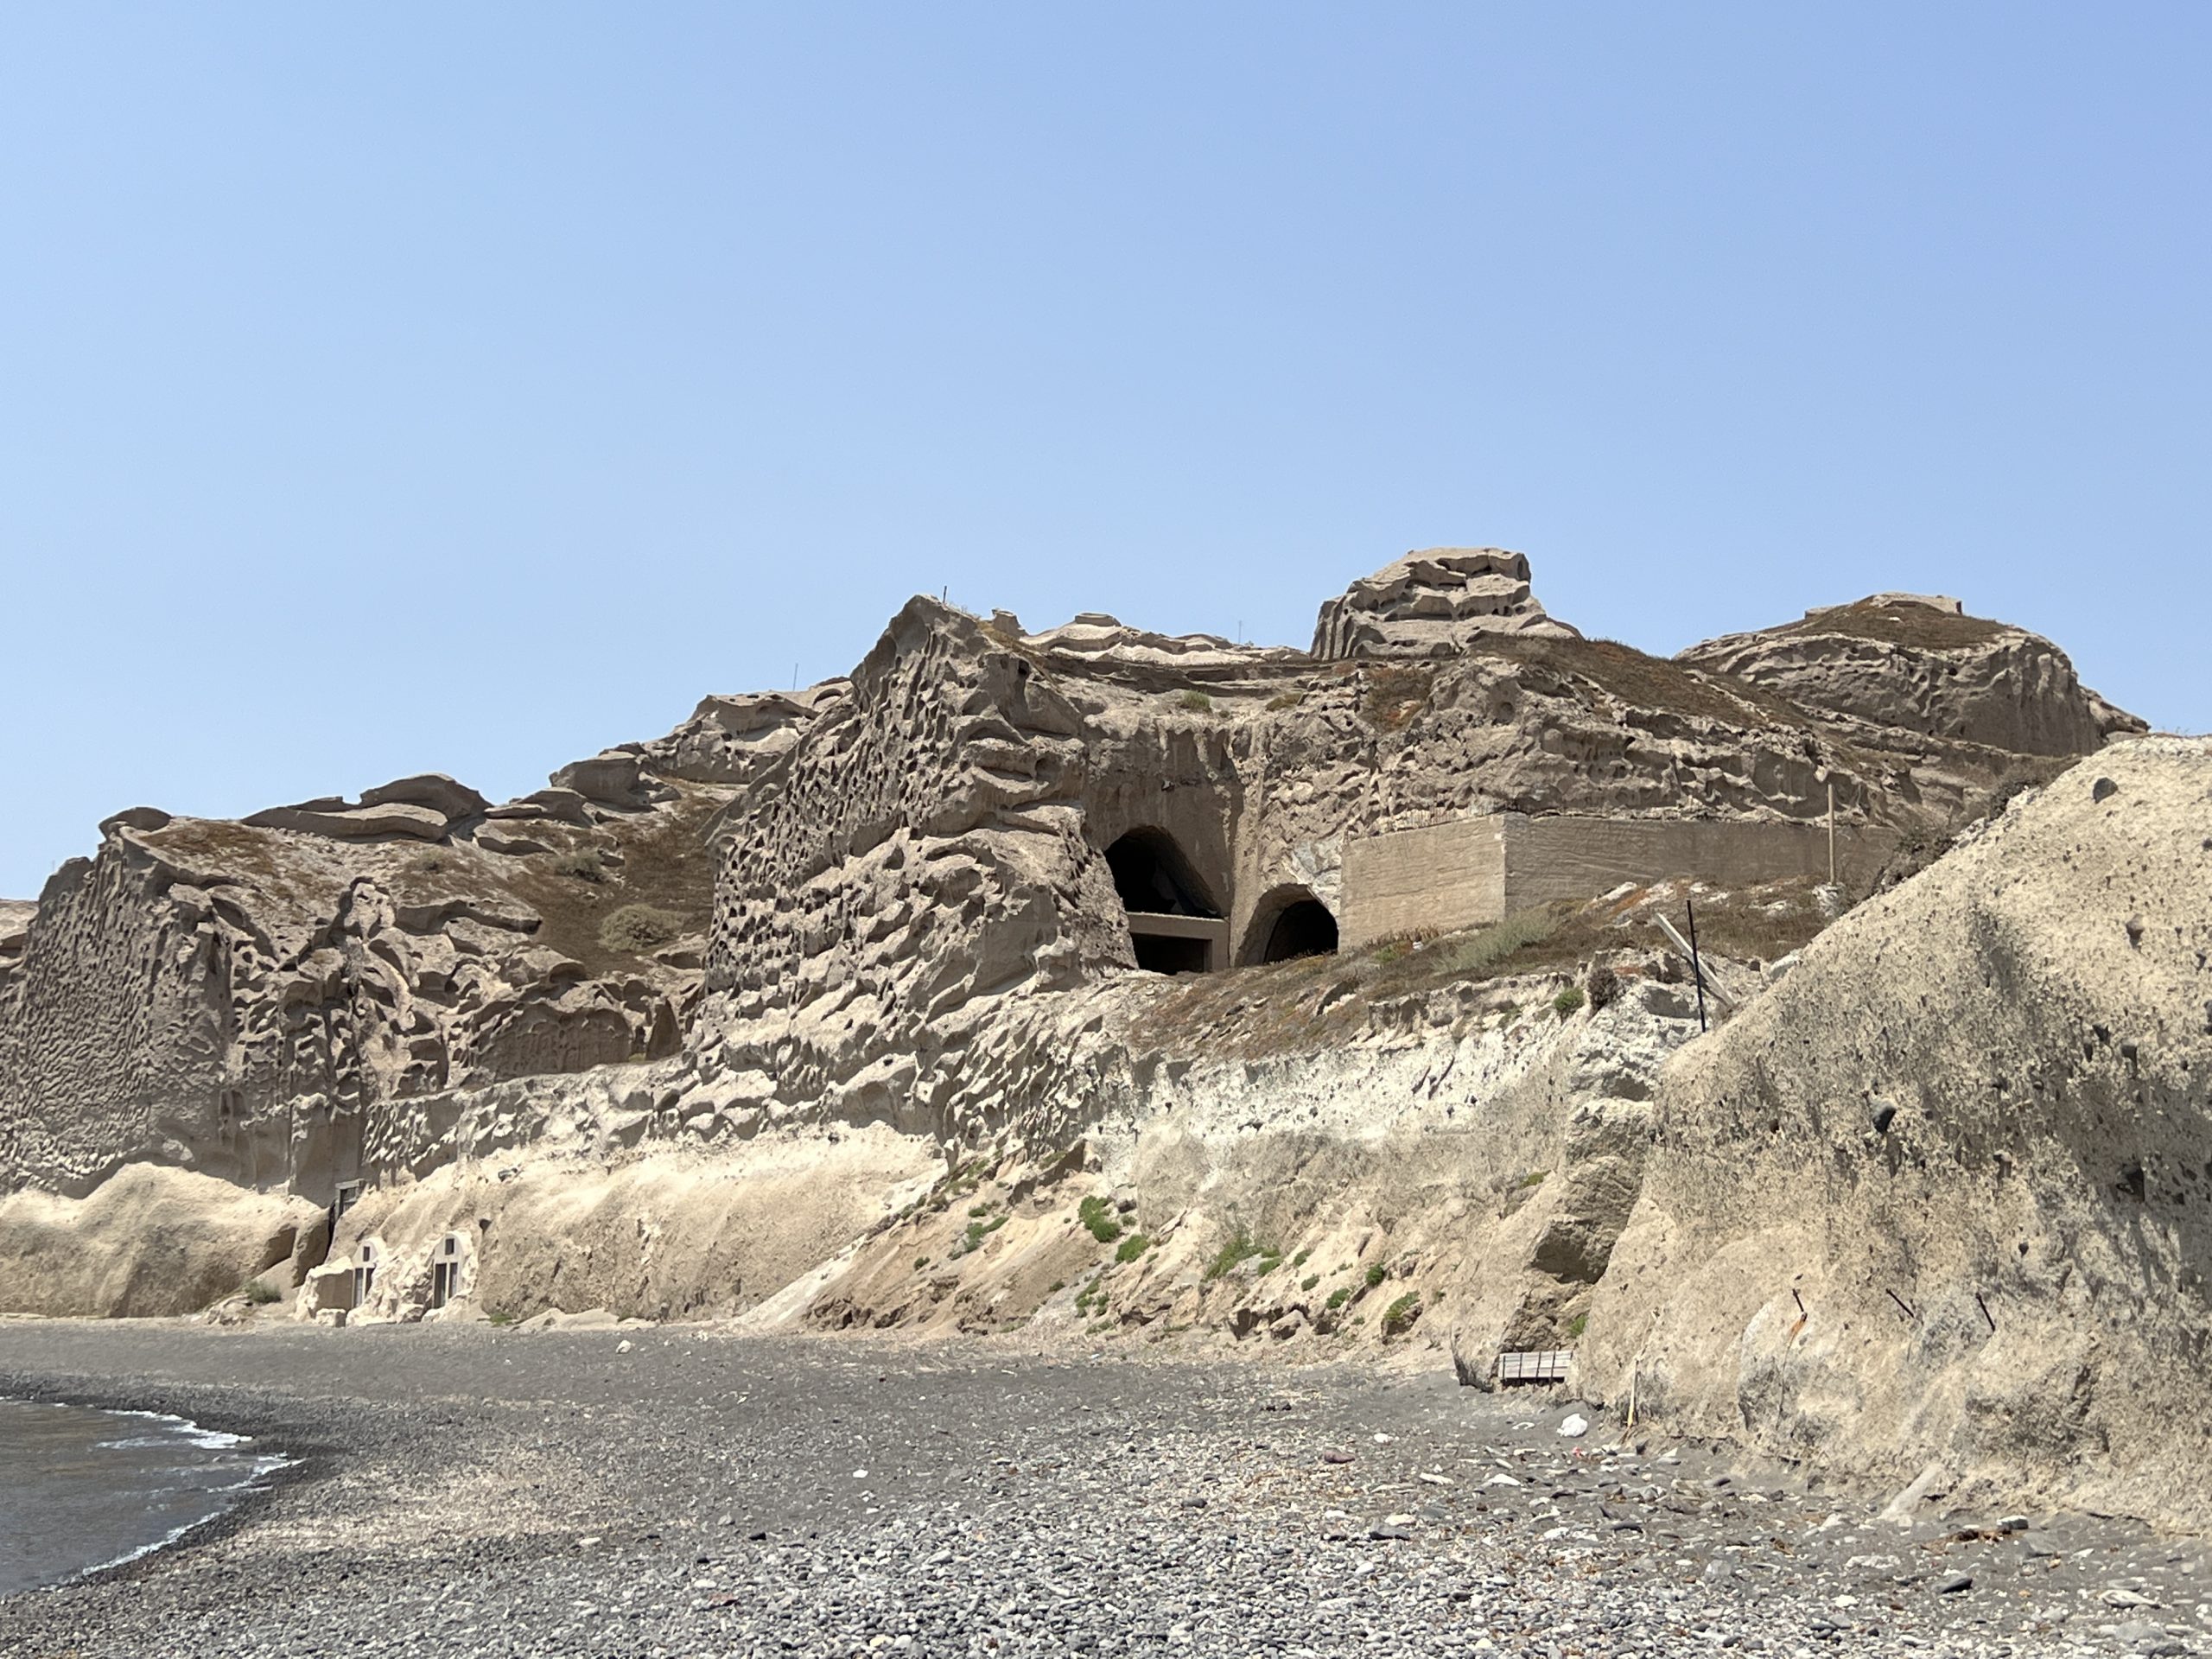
point(399, 388)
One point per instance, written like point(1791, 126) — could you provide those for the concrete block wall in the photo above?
point(1474, 871)
point(1443, 877)
point(1566, 857)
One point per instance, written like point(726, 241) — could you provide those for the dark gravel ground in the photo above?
point(464, 1492)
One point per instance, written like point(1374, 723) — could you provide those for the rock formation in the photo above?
point(890, 1002)
point(1923, 664)
point(1945, 1195)
point(1436, 602)
point(294, 1001)
point(942, 837)
point(306, 999)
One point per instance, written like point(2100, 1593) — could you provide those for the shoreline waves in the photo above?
point(464, 1490)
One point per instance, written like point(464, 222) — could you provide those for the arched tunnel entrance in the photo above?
point(1287, 924)
point(1175, 927)
point(1304, 929)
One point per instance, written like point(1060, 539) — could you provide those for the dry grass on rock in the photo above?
point(1920, 627)
point(1317, 1002)
point(664, 865)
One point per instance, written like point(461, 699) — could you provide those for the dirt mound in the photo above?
point(1944, 1196)
point(150, 1242)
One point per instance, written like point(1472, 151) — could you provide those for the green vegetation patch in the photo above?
point(1133, 1247)
point(977, 1233)
point(1240, 1247)
point(1097, 1215)
point(1402, 1315)
point(959, 1182)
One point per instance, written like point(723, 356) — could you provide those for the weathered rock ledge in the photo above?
point(998, 986)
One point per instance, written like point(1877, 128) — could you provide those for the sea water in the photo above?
point(81, 1489)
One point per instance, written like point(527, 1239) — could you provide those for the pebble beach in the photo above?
point(467, 1490)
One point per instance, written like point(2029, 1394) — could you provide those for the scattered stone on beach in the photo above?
point(1016, 1502)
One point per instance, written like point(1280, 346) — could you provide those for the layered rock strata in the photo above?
point(940, 839)
point(1438, 602)
point(1943, 1200)
point(1924, 665)
point(750, 1020)
point(260, 1000)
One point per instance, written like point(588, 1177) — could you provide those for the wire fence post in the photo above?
point(1831, 832)
point(1697, 966)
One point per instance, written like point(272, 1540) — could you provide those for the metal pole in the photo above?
point(1697, 968)
point(1831, 832)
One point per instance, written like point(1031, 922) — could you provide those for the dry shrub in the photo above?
point(585, 865)
point(1604, 986)
point(1396, 694)
point(638, 928)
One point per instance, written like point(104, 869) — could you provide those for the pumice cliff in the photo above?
point(1096, 980)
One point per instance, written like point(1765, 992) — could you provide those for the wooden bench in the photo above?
point(1540, 1365)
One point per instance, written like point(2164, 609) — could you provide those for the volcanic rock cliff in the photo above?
point(1021, 979)
point(1945, 1194)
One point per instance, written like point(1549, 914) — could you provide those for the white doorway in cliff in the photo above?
point(1175, 926)
point(365, 1257)
point(445, 1271)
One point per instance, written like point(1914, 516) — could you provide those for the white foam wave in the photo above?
point(175, 1431)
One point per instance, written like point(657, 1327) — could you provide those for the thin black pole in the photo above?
point(1697, 968)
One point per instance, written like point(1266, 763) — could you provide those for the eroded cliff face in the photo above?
point(1456, 1164)
point(1921, 664)
point(1381, 1149)
point(823, 1010)
point(933, 849)
point(251, 1000)
point(1945, 1195)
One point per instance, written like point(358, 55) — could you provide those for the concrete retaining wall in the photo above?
point(1471, 871)
point(1548, 858)
point(1443, 877)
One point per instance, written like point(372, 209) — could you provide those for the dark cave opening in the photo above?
point(1175, 926)
point(1304, 929)
point(1153, 878)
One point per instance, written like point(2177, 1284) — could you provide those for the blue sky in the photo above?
point(400, 389)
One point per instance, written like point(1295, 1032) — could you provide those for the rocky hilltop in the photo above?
point(1910, 660)
point(1125, 984)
